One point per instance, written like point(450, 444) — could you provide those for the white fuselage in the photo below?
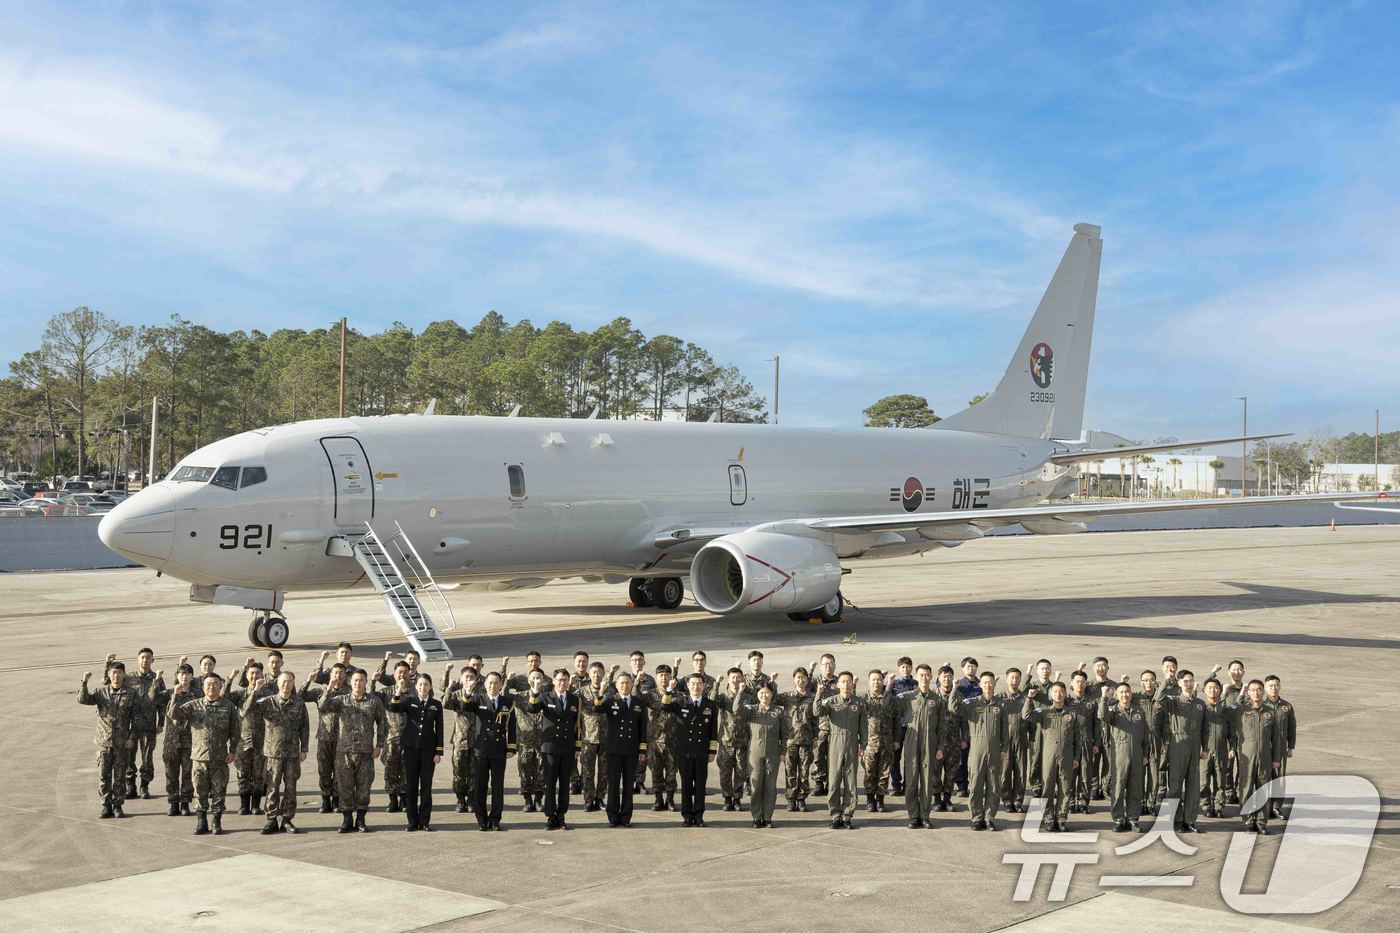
point(596, 494)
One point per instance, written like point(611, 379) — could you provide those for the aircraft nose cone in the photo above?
point(142, 528)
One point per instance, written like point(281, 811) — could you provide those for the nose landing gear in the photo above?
point(269, 630)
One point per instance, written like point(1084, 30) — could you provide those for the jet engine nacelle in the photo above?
point(759, 568)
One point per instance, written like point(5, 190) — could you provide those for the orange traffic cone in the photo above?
point(1334, 524)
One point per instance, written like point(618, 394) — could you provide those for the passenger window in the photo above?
point(252, 476)
point(516, 473)
point(226, 477)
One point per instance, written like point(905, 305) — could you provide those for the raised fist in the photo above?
point(87, 675)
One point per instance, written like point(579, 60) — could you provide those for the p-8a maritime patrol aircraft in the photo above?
point(750, 515)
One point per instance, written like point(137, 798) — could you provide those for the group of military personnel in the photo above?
point(601, 734)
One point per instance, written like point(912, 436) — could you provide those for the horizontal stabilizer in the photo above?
point(1111, 453)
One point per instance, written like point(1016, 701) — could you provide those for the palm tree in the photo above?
point(1175, 465)
point(1216, 466)
point(1146, 460)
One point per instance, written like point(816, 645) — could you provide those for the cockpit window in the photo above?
point(252, 476)
point(192, 474)
point(226, 477)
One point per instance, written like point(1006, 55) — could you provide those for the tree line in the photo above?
point(81, 401)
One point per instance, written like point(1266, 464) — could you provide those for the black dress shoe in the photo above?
point(991, 824)
point(979, 825)
point(687, 822)
point(837, 823)
point(1261, 830)
point(483, 827)
point(699, 821)
point(915, 824)
point(1190, 828)
point(792, 806)
point(1121, 826)
point(529, 805)
point(106, 812)
point(426, 828)
point(1137, 827)
point(410, 828)
point(757, 824)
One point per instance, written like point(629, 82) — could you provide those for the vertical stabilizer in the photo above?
point(1042, 392)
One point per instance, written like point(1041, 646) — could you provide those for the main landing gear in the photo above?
point(269, 630)
point(661, 592)
point(822, 615)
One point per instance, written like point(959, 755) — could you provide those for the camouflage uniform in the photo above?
point(464, 729)
point(175, 750)
point(821, 689)
point(945, 771)
point(529, 727)
point(802, 735)
point(116, 717)
point(214, 735)
point(395, 777)
point(140, 763)
point(661, 745)
point(286, 732)
point(327, 731)
point(846, 733)
point(642, 685)
point(592, 761)
point(879, 746)
point(733, 744)
point(1215, 768)
point(926, 720)
point(363, 725)
point(1062, 742)
point(248, 762)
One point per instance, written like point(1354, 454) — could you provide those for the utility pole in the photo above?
point(342, 367)
point(151, 469)
point(1378, 450)
point(777, 361)
point(1243, 450)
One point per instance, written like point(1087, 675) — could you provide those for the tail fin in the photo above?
point(1042, 392)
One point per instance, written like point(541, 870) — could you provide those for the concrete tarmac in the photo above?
point(1318, 607)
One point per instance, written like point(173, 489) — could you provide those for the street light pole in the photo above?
point(777, 362)
point(1378, 451)
point(1243, 450)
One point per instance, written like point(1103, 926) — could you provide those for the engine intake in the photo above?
point(759, 568)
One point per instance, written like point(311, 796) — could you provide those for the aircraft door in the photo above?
point(352, 481)
point(738, 485)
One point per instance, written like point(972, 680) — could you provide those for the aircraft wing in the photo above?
point(988, 518)
point(863, 524)
point(1110, 453)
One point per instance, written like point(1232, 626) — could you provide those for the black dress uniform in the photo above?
point(494, 741)
point(626, 743)
point(695, 743)
point(559, 740)
point(422, 741)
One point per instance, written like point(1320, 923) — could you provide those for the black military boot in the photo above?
point(145, 790)
point(529, 803)
point(325, 805)
point(360, 821)
point(201, 825)
point(820, 790)
point(270, 827)
point(942, 803)
point(288, 827)
point(131, 789)
point(729, 804)
point(244, 809)
point(335, 802)
point(347, 822)
point(217, 826)
point(257, 802)
point(670, 800)
point(117, 810)
point(461, 803)
point(660, 803)
point(395, 803)
point(184, 808)
point(879, 803)
point(106, 811)
point(792, 805)
point(174, 810)
point(869, 803)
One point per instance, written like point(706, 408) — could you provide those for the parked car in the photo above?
point(33, 487)
point(77, 485)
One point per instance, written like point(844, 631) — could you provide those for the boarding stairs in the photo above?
point(406, 595)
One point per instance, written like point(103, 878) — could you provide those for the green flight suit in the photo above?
point(925, 735)
point(1062, 742)
point(846, 737)
point(1125, 736)
point(987, 727)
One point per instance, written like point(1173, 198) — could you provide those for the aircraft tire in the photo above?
point(831, 611)
point(639, 591)
point(255, 632)
point(668, 592)
point(276, 632)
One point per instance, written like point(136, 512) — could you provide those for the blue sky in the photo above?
point(879, 192)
